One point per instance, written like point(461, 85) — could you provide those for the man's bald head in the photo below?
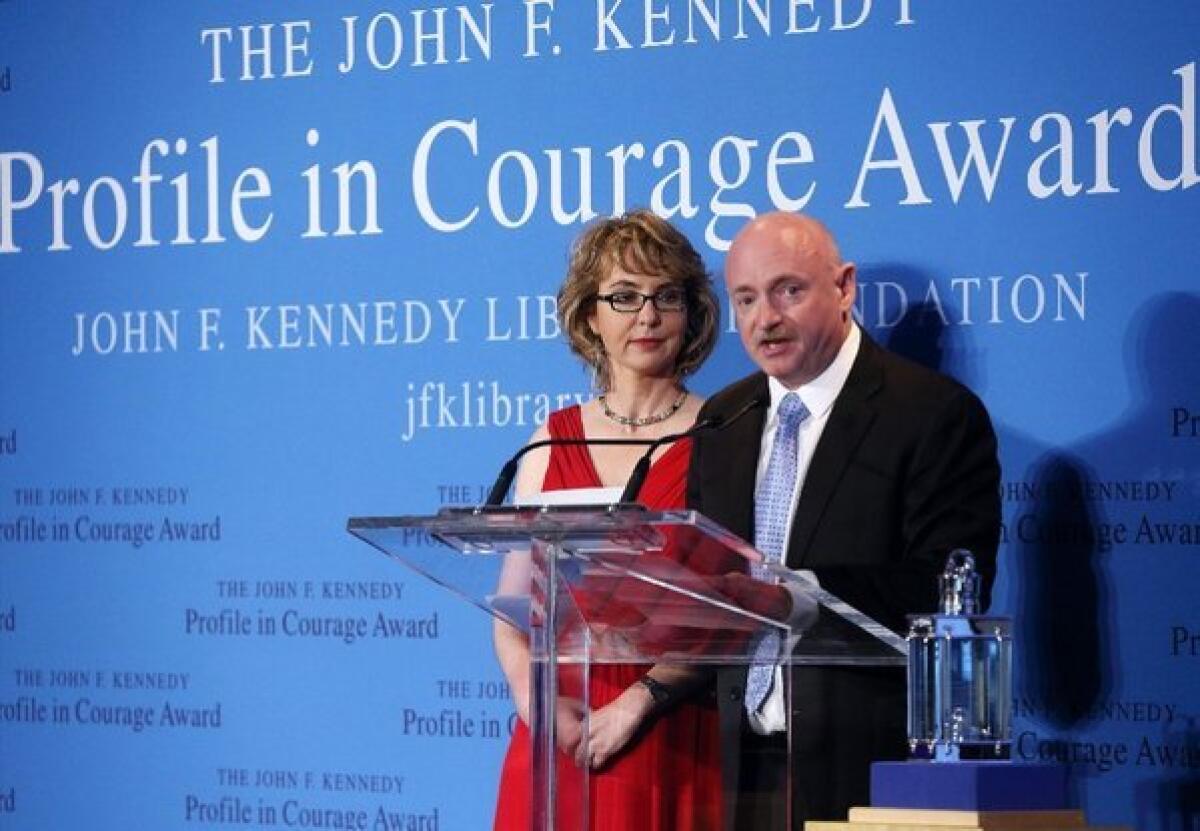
point(791, 293)
point(803, 235)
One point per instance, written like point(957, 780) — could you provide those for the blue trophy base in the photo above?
point(969, 786)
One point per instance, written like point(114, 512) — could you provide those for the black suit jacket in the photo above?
point(905, 472)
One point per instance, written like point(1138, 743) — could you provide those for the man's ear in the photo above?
point(847, 283)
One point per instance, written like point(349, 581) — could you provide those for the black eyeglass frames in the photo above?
point(669, 299)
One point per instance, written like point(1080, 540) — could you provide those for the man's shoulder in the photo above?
point(907, 381)
point(736, 395)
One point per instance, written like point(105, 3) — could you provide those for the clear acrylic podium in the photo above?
point(620, 584)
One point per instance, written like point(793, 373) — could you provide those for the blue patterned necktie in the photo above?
point(772, 507)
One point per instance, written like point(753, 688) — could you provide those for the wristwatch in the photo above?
point(658, 691)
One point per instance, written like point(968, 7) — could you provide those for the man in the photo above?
point(866, 477)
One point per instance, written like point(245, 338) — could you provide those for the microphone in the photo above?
point(509, 472)
point(642, 469)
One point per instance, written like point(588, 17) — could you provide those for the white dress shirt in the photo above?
point(818, 396)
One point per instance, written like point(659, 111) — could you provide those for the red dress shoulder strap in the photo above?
point(570, 465)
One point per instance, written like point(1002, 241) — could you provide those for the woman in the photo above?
point(638, 307)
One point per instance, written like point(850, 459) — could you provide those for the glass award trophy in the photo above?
point(959, 674)
point(960, 692)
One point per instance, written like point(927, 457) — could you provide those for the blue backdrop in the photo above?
point(265, 266)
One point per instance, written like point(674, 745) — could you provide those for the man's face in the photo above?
point(791, 298)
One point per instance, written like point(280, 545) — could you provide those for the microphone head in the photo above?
point(720, 422)
point(760, 400)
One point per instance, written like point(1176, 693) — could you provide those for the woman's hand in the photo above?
point(568, 725)
point(613, 725)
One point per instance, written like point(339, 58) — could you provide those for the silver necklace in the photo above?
point(645, 421)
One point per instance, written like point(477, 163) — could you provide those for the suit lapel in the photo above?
point(851, 417)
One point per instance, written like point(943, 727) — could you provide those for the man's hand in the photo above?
point(756, 596)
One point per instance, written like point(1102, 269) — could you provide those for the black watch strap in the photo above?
point(659, 691)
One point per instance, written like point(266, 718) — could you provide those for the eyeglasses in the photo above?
point(670, 299)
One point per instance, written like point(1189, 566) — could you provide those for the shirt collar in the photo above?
point(819, 394)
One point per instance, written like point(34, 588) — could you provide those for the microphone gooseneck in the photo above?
point(503, 482)
point(509, 471)
point(640, 470)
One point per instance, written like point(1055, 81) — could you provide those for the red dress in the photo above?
point(669, 777)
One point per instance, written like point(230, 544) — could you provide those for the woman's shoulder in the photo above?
point(540, 434)
point(564, 423)
point(534, 464)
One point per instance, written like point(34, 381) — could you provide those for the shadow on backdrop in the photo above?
point(1172, 802)
point(1068, 568)
point(896, 307)
point(1063, 601)
point(1158, 439)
